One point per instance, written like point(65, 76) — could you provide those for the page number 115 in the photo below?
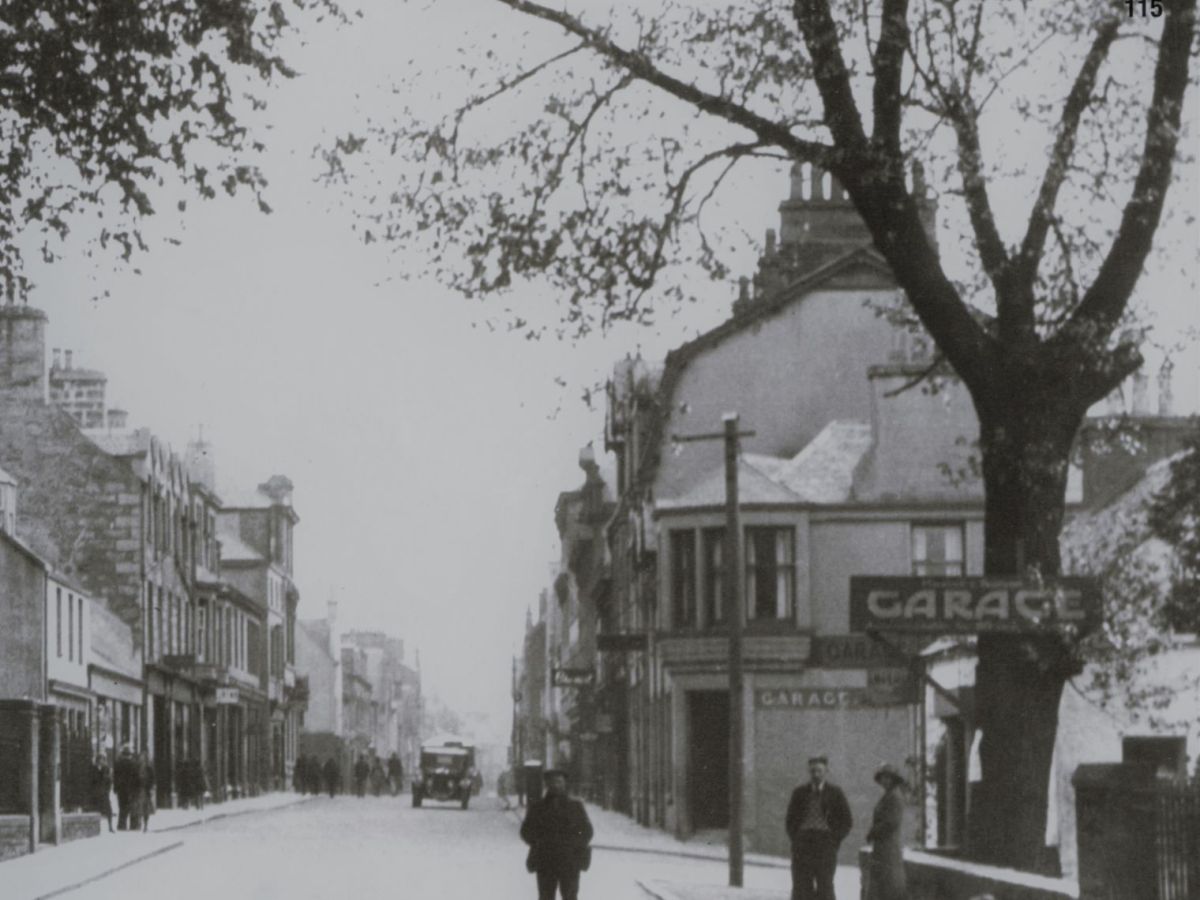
point(1143, 8)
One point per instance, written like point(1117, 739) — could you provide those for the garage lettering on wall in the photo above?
point(809, 698)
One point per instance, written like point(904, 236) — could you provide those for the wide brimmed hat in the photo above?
point(889, 772)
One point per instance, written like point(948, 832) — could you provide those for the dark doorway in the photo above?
point(708, 759)
point(164, 763)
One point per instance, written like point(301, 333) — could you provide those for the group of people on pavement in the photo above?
point(818, 819)
point(372, 771)
point(132, 780)
point(310, 776)
point(191, 782)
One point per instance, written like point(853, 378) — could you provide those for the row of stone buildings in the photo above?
point(856, 466)
point(140, 606)
point(364, 699)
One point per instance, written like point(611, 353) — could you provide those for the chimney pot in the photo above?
point(1166, 392)
point(918, 180)
point(67, 358)
point(770, 242)
point(797, 181)
point(57, 363)
point(1141, 400)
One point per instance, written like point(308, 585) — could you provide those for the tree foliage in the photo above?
point(1050, 130)
point(1175, 518)
point(102, 102)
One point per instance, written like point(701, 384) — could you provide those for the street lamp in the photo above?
point(736, 611)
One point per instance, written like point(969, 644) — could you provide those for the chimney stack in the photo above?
point(67, 359)
point(1166, 392)
point(1141, 394)
point(57, 364)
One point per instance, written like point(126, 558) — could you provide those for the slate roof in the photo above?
point(763, 308)
point(240, 498)
point(234, 549)
point(1097, 536)
point(112, 643)
point(821, 473)
point(120, 443)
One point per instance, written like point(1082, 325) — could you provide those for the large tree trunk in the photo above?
point(1019, 680)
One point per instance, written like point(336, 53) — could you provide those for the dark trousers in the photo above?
point(564, 880)
point(125, 811)
point(814, 860)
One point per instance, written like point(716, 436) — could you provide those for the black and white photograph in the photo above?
point(605, 449)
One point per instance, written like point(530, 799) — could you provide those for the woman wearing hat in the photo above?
point(886, 880)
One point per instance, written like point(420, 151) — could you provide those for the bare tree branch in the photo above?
point(1016, 306)
point(993, 255)
point(889, 65)
point(830, 73)
point(1105, 301)
point(642, 68)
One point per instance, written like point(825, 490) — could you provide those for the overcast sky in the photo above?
point(427, 450)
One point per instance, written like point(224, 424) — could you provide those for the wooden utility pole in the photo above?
point(735, 610)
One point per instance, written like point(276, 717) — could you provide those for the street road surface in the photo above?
point(362, 849)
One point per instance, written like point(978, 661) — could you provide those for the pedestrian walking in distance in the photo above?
point(818, 820)
point(885, 875)
point(125, 783)
point(395, 774)
point(102, 785)
point(145, 785)
point(361, 770)
point(558, 833)
point(329, 772)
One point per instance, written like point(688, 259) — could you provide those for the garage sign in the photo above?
point(972, 605)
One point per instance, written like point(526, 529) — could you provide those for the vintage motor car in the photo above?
point(447, 773)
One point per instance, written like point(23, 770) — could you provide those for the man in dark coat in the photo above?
point(125, 783)
point(102, 783)
point(330, 773)
point(558, 832)
point(818, 820)
point(362, 769)
point(395, 774)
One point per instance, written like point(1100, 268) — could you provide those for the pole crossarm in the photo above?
point(710, 436)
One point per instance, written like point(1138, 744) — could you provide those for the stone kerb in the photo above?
point(932, 877)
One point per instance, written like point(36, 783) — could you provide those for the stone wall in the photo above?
point(79, 825)
point(23, 589)
point(77, 506)
point(14, 836)
point(932, 877)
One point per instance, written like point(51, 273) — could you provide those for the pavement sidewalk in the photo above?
point(53, 871)
point(617, 831)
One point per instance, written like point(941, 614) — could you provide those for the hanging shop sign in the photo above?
point(566, 677)
point(227, 695)
point(972, 605)
point(860, 651)
point(628, 642)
